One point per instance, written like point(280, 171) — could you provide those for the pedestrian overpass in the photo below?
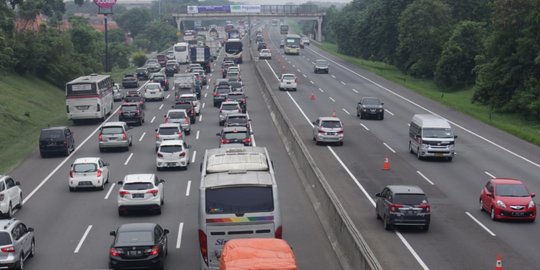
point(297, 12)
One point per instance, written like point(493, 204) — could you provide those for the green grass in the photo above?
point(27, 104)
point(118, 74)
point(515, 124)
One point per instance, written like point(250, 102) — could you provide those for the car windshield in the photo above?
point(152, 86)
point(131, 238)
point(5, 239)
point(112, 130)
point(331, 124)
point(52, 134)
point(239, 200)
point(371, 101)
point(84, 167)
point(170, 148)
point(138, 186)
point(511, 190)
point(129, 108)
point(168, 130)
point(235, 135)
point(229, 107)
point(437, 133)
point(176, 115)
point(409, 199)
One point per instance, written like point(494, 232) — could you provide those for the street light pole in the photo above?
point(107, 65)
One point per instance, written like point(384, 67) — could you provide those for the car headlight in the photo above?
point(531, 204)
point(501, 204)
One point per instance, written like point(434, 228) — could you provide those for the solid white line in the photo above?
point(342, 82)
point(203, 105)
point(110, 190)
point(179, 239)
point(82, 239)
point(364, 126)
point(390, 148)
point(142, 136)
point(130, 155)
point(345, 111)
point(153, 118)
point(200, 118)
point(333, 76)
point(480, 223)
point(251, 130)
point(299, 70)
point(167, 97)
point(305, 76)
point(298, 106)
point(354, 90)
point(205, 94)
point(293, 66)
point(392, 114)
point(209, 79)
point(425, 178)
point(409, 247)
point(161, 106)
point(207, 86)
point(188, 187)
point(321, 90)
point(311, 82)
point(333, 100)
point(427, 110)
point(490, 175)
point(194, 155)
point(197, 136)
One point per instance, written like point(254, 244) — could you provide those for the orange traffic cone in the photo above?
point(312, 97)
point(498, 265)
point(334, 113)
point(386, 165)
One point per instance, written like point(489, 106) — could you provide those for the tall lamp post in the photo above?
point(105, 7)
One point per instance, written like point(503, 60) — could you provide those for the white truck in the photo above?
point(183, 81)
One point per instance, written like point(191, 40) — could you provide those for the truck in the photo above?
point(214, 46)
point(201, 55)
point(183, 81)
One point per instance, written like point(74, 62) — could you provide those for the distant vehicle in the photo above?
point(233, 34)
point(161, 79)
point(233, 50)
point(226, 108)
point(12, 198)
point(193, 99)
point(305, 41)
point(90, 97)
point(181, 52)
point(239, 97)
point(142, 73)
point(201, 55)
point(275, 22)
point(237, 120)
point(170, 55)
point(328, 130)
point(403, 205)
point(117, 93)
point(220, 94)
point(370, 106)
point(88, 172)
point(171, 68)
point(168, 131)
point(162, 59)
point(181, 117)
point(282, 44)
point(431, 136)
point(284, 29)
point(229, 27)
point(18, 243)
point(260, 46)
point(288, 81)
point(265, 54)
point(321, 65)
point(140, 191)
point(507, 198)
point(131, 81)
point(56, 140)
point(153, 91)
point(131, 113)
point(292, 44)
point(172, 154)
point(235, 135)
point(114, 135)
point(189, 107)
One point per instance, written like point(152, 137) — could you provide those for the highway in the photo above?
point(460, 236)
point(72, 228)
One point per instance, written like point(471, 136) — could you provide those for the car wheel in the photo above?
point(66, 152)
point(130, 141)
point(158, 168)
point(102, 187)
point(492, 214)
point(121, 213)
point(361, 115)
point(71, 189)
point(377, 213)
point(188, 132)
point(410, 148)
point(357, 113)
point(158, 211)
point(341, 143)
point(20, 201)
point(386, 224)
point(449, 159)
point(32, 249)
point(42, 154)
point(381, 116)
point(101, 150)
point(162, 201)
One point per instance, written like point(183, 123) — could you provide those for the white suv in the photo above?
point(288, 81)
point(139, 192)
point(173, 153)
point(88, 172)
point(153, 91)
point(10, 195)
point(228, 107)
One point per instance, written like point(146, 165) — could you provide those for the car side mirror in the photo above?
point(112, 233)
point(455, 136)
point(314, 122)
point(161, 181)
point(17, 183)
point(378, 195)
point(489, 195)
point(218, 134)
point(532, 195)
point(30, 229)
point(166, 231)
point(382, 103)
point(120, 183)
point(106, 164)
point(188, 146)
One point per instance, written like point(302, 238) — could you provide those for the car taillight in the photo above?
point(321, 131)
point(152, 251)
point(160, 155)
point(124, 136)
point(180, 135)
point(203, 245)
point(157, 134)
point(123, 193)
point(182, 154)
point(71, 173)
point(223, 141)
point(215, 94)
point(279, 232)
point(395, 207)
point(115, 252)
point(137, 111)
point(99, 173)
point(98, 108)
point(153, 192)
point(177, 97)
point(8, 249)
point(186, 119)
point(247, 140)
point(141, 102)
point(425, 207)
point(167, 120)
point(296, 80)
point(340, 132)
point(67, 108)
point(100, 137)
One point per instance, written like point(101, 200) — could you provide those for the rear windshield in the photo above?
point(182, 106)
point(168, 130)
point(5, 239)
point(112, 130)
point(223, 90)
point(236, 120)
point(180, 48)
point(235, 84)
point(129, 108)
point(177, 115)
point(229, 107)
point(235, 200)
point(511, 191)
point(52, 134)
point(235, 135)
point(288, 77)
point(130, 238)
point(188, 98)
point(170, 148)
point(138, 186)
point(321, 62)
point(152, 86)
point(331, 124)
point(410, 199)
point(84, 167)
point(133, 99)
point(81, 89)
point(437, 133)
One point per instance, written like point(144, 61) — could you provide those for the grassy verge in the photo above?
point(118, 74)
point(515, 124)
point(27, 104)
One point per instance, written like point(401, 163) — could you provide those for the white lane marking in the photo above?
point(410, 248)
point(293, 66)
point(311, 82)
point(200, 118)
point(82, 239)
point(389, 148)
point(153, 118)
point(346, 111)
point(489, 174)
point(142, 136)
point(127, 160)
point(197, 136)
point(392, 114)
point(322, 91)
point(333, 76)
point(425, 178)
point(161, 106)
point(205, 94)
point(480, 223)
point(333, 100)
point(305, 76)
point(194, 155)
point(167, 97)
point(206, 89)
point(427, 110)
point(188, 187)
point(203, 105)
point(110, 190)
point(364, 126)
point(354, 90)
point(342, 82)
point(208, 80)
point(299, 70)
point(179, 239)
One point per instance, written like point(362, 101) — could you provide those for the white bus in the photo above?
point(238, 198)
point(292, 44)
point(181, 52)
point(89, 97)
point(233, 50)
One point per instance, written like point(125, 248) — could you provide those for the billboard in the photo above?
point(208, 9)
point(105, 3)
point(245, 8)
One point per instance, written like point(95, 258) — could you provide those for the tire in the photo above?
point(20, 201)
point(158, 168)
point(361, 115)
point(130, 141)
point(32, 249)
point(158, 211)
point(492, 214)
point(102, 187)
point(449, 159)
point(121, 213)
point(101, 150)
point(381, 116)
point(126, 148)
point(386, 225)
point(418, 156)
point(42, 154)
point(377, 213)
point(341, 143)
point(410, 148)
point(188, 132)
point(357, 113)
point(66, 153)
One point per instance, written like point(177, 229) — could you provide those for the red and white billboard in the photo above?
point(105, 3)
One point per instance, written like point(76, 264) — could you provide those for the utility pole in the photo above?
point(107, 62)
point(105, 8)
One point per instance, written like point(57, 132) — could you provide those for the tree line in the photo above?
point(490, 45)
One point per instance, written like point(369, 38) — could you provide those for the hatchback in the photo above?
point(10, 195)
point(153, 91)
point(237, 120)
point(370, 106)
point(265, 54)
point(328, 129)
point(403, 205)
point(226, 108)
point(167, 132)
point(56, 140)
point(220, 94)
point(117, 93)
point(507, 198)
point(130, 98)
point(173, 154)
point(288, 81)
point(142, 73)
point(114, 135)
point(189, 107)
point(88, 172)
point(179, 116)
point(235, 135)
point(132, 80)
point(139, 246)
point(131, 113)
point(162, 80)
point(17, 243)
point(140, 192)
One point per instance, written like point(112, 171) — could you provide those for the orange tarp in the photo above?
point(257, 254)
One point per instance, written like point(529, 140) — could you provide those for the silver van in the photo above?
point(431, 136)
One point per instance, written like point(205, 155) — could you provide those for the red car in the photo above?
point(507, 198)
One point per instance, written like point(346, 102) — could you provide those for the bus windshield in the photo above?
point(233, 46)
point(239, 200)
point(292, 42)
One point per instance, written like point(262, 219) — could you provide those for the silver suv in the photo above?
point(17, 244)
point(10, 196)
point(168, 131)
point(114, 135)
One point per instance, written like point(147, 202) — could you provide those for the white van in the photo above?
point(238, 199)
point(181, 52)
point(431, 136)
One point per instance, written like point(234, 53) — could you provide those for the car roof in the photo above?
point(135, 227)
point(288, 74)
point(172, 142)
point(177, 110)
point(141, 177)
point(234, 129)
point(237, 115)
point(115, 123)
point(154, 83)
point(188, 95)
point(55, 128)
point(229, 102)
point(130, 104)
point(165, 125)
point(430, 121)
point(233, 178)
point(506, 181)
point(400, 189)
point(374, 98)
point(6, 223)
point(329, 118)
point(87, 160)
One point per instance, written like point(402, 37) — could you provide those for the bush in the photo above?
point(139, 58)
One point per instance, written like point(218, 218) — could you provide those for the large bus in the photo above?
point(292, 44)
point(89, 97)
point(238, 198)
point(233, 50)
point(284, 29)
point(181, 52)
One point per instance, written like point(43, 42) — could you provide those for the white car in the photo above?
point(11, 195)
point(192, 98)
point(168, 131)
point(173, 154)
point(233, 69)
point(88, 172)
point(228, 107)
point(265, 54)
point(288, 81)
point(305, 41)
point(140, 191)
point(153, 91)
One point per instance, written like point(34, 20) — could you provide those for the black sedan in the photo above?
point(138, 245)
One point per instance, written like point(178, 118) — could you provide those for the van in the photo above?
point(431, 136)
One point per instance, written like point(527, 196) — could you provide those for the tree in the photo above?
point(119, 54)
point(156, 36)
point(134, 20)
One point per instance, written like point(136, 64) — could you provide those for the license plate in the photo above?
point(438, 154)
point(171, 164)
point(112, 138)
point(518, 214)
point(138, 195)
point(82, 107)
point(85, 183)
point(152, 92)
point(134, 252)
point(331, 133)
point(288, 83)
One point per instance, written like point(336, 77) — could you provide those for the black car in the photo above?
point(237, 120)
point(370, 106)
point(188, 106)
point(130, 81)
point(162, 59)
point(131, 113)
point(220, 94)
point(235, 135)
point(198, 89)
point(142, 73)
point(162, 80)
point(261, 46)
point(403, 205)
point(139, 246)
point(171, 69)
point(56, 140)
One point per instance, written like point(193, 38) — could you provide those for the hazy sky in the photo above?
point(281, 2)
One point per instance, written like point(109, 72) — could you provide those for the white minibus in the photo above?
point(89, 97)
